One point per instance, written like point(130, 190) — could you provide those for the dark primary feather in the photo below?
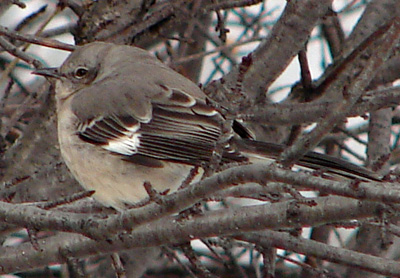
point(182, 136)
point(104, 129)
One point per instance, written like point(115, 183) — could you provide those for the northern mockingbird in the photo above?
point(125, 118)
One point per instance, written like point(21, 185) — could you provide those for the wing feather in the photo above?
point(187, 133)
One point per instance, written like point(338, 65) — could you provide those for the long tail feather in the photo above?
point(312, 160)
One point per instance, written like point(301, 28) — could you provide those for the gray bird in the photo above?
point(125, 118)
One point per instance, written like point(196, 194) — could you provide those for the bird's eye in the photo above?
point(81, 72)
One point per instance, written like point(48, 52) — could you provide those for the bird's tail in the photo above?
point(312, 160)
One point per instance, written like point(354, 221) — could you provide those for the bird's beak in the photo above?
point(48, 72)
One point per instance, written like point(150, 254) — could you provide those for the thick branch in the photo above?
point(323, 251)
point(170, 231)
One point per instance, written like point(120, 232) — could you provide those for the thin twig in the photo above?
point(36, 40)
